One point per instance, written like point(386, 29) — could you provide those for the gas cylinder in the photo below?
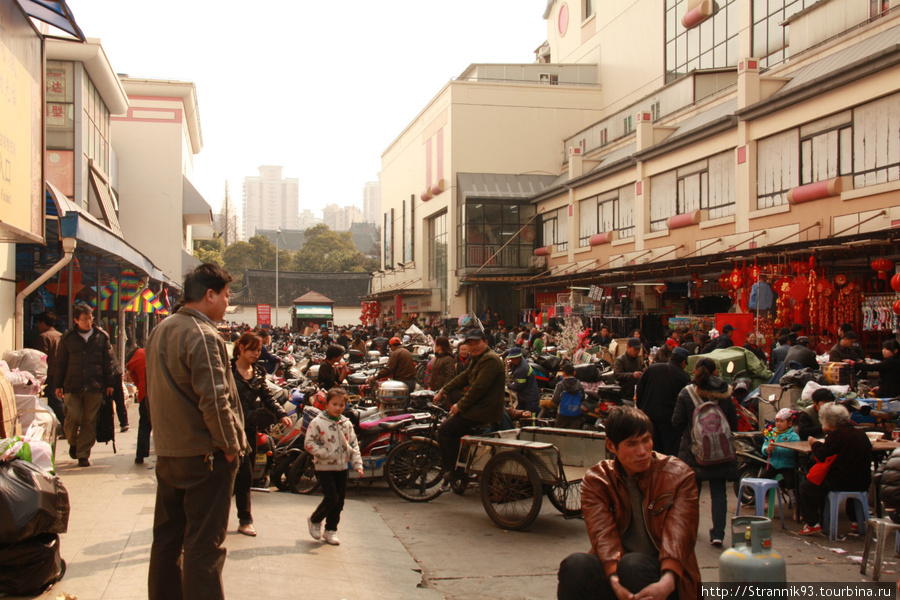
point(751, 558)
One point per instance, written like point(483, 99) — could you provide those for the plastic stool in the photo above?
point(760, 488)
point(878, 528)
point(833, 503)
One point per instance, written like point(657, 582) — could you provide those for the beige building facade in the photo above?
point(271, 201)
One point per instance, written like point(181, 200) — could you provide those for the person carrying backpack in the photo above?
point(567, 399)
point(705, 414)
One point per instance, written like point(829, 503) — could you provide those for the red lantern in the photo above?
point(895, 282)
point(897, 307)
point(754, 272)
point(882, 265)
point(840, 280)
point(723, 281)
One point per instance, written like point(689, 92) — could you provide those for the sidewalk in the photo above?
point(390, 549)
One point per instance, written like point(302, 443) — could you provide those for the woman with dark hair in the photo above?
point(645, 345)
point(330, 373)
point(706, 387)
point(252, 389)
point(888, 370)
point(443, 369)
point(750, 344)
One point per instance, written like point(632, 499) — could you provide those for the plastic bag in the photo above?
point(811, 386)
point(31, 566)
point(32, 502)
point(29, 359)
point(35, 451)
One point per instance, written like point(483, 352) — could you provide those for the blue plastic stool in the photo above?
point(833, 504)
point(760, 488)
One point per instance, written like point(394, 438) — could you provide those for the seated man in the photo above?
point(651, 558)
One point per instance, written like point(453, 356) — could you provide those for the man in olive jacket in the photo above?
point(641, 510)
point(198, 429)
point(481, 404)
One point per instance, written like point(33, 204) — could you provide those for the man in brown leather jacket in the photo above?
point(645, 554)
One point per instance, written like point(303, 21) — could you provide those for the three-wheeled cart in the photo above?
point(518, 467)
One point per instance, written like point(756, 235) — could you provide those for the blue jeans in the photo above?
point(719, 499)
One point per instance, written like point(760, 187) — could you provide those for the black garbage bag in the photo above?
point(30, 567)
point(800, 377)
point(32, 502)
point(589, 373)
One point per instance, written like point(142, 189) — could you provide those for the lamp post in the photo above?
point(277, 233)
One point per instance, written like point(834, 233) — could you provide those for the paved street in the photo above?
point(391, 549)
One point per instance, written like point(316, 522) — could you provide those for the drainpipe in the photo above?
point(69, 244)
point(121, 338)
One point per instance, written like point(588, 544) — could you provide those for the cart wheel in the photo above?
point(302, 475)
point(413, 470)
point(279, 476)
point(566, 499)
point(511, 490)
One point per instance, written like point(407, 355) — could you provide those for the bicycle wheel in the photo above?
point(302, 475)
point(511, 490)
point(413, 470)
point(567, 499)
point(280, 471)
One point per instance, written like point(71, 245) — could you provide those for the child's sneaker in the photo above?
point(854, 527)
point(331, 537)
point(315, 529)
point(807, 530)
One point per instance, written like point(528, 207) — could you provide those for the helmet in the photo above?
point(394, 341)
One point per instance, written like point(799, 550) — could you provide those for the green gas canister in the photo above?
point(751, 558)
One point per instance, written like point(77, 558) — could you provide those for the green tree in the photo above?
point(237, 257)
point(210, 251)
point(327, 251)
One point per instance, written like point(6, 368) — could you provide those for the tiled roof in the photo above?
point(344, 289)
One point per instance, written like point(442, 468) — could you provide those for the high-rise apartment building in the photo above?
point(372, 201)
point(308, 219)
point(270, 201)
point(339, 218)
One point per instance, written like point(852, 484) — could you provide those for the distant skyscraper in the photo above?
point(340, 218)
point(372, 201)
point(270, 202)
point(308, 219)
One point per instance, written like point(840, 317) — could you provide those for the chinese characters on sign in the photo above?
point(264, 314)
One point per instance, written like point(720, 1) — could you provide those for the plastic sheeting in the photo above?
point(32, 502)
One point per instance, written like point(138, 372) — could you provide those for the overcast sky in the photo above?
point(321, 88)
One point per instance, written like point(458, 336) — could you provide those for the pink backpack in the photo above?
point(711, 439)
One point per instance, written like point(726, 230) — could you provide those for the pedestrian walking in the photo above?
point(657, 392)
point(137, 368)
point(331, 441)
point(199, 437)
point(83, 371)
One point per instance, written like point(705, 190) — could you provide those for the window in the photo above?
point(555, 229)
point(876, 145)
point(437, 253)
point(777, 168)
point(60, 106)
point(704, 185)
point(486, 227)
point(604, 137)
point(770, 38)
point(628, 124)
point(712, 44)
point(549, 78)
point(878, 7)
point(610, 211)
point(96, 122)
point(388, 235)
point(409, 229)
point(826, 149)
point(588, 9)
point(654, 110)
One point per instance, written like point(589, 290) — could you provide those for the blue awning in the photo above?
point(52, 12)
point(75, 222)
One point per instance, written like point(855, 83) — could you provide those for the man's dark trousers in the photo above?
point(192, 506)
point(448, 439)
point(581, 576)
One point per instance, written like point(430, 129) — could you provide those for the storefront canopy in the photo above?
point(313, 312)
point(52, 12)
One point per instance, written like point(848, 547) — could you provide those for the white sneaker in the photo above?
point(315, 529)
point(331, 537)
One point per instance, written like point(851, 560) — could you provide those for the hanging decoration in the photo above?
point(895, 282)
point(883, 266)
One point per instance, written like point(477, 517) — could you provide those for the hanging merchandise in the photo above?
point(882, 265)
point(895, 282)
point(879, 312)
point(736, 279)
point(847, 308)
point(761, 297)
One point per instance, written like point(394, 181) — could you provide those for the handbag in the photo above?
point(819, 470)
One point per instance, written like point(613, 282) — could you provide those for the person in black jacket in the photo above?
point(802, 355)
point(657, 392)
point(84, 369)
point(850, 470)
point(888, 370)
point(251, 385)
point(329, 376)
point(708, 388)
point(887, 480)
point(808, 425)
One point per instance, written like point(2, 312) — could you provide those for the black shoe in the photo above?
point(123, 428)
point(72, 452)
point(139, 460)
point(83, 462)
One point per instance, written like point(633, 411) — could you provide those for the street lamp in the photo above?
point(277, 233)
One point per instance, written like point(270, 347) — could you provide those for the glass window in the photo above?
point(437, 254)
point(488, 226)
point(697, 48)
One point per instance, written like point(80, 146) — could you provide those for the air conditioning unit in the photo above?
point(537, 262)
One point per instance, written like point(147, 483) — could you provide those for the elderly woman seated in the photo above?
point(846, 459)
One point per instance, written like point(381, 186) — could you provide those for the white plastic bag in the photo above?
point(812, 386)
point(29, 359)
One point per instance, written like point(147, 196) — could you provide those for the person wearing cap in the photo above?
point(400, 366)
point(808, 425)
point(846, 349)
point(781, 460)
point(802, 355)
point(481, 404)
point(657, 392)
point(724, 340)
point(523, 383)
point(628, 367)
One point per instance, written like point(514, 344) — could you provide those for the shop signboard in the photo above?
point(21, 129)
point(264, 315)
